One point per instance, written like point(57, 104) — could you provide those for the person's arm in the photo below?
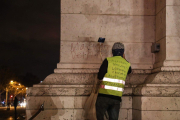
point(130, 70)
point(103, 69)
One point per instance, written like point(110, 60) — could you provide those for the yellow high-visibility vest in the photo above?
point(114, 80)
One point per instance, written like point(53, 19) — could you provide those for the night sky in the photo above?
point(29, 36)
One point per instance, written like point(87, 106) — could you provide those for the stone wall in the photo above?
point(167, 34)
point(158, 98)
point(131, 22)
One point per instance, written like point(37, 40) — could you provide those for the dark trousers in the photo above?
point(104, 104)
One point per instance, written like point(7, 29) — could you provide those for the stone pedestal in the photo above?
point(64, 95)
point(152, 90)
point(158, 98)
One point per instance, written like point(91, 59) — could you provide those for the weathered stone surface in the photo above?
point(69, 90)
point(78, 66)
point(173, 48)
point(163, 78)
point(129, 114)
point(160, 84)
point(55, 114)
point(122, 7)
point(71, 114)
point(134, 71)
point(123, 115)
point(89, 70)
point(173, 2)
point(76, 70)
point(90, 6)
point(126, 102)
point(156, 103)
point(159, 90)
point(78, 27)
point(62, 80)
point(84, 52)
point(67, 107)
point(136, 79)
point(171, 63)
point(79, 114)
point(70, 79)
point(160, 4)
point(156, 115)
point(161, 24)
point(56, 102)
point(139, 7)
point(88, 52)
point(59, 91)
point(172, 21)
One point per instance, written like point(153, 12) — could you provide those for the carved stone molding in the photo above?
point(157, 91)
point(66, 90)
point(69, 79)
point(163, 78)
point(165, 84)
point(141, 71)
point(66, 78)
point(93, 70)
point(76, 70)
point(168, 69)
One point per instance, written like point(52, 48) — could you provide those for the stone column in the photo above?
point(82, 23)
point(158, 98)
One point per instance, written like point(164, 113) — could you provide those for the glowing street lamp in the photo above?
point(26, 88)
point(19, 84)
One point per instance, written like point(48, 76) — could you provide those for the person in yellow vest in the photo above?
point(112, 72)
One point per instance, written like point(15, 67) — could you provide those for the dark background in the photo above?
point(29, 37)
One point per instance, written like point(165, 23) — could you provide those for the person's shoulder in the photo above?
point(105, 59)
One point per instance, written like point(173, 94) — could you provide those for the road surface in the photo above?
point(9, 114)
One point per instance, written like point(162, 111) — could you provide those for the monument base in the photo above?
point(64, 95)
point(158, 98)
point(156, 108)
point(65, 102)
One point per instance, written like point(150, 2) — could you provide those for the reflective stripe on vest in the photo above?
point(112, 88)
point(114, 80)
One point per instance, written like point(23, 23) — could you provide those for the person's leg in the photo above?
point(101, 107)
point(113, 110)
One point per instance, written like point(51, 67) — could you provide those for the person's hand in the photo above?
point(124, 56)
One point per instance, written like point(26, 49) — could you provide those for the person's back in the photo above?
point(112, 72)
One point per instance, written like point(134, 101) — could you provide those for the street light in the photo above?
point(19, 84)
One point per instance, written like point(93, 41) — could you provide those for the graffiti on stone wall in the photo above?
point(87, 50)
point(76, 79)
